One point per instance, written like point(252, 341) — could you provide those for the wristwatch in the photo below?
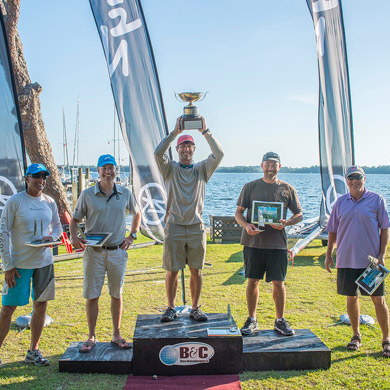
point(134, 235)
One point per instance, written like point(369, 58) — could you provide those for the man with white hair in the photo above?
point(359, 227)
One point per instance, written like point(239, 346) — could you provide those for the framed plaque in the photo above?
point(40, 243)
point(96, 239)
point(267, 213)
point(372, 277)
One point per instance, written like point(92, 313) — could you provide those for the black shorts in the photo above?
point(272, 262)
point(346, 283)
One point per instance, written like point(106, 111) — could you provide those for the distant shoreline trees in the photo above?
point(381, 169)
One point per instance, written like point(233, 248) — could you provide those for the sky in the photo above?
point(256, 58)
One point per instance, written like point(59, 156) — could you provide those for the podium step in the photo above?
point(268, 350)
point(104, 358)
point(182, 347)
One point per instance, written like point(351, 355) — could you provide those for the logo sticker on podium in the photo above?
point(186, 354)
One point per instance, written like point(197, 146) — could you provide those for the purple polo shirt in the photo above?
point(358, 225)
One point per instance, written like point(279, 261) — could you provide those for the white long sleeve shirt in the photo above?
point(26, 218)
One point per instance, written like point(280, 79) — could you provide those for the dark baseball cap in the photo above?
point(354, 169)
point(271, 156)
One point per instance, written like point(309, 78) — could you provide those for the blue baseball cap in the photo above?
point(106, 159)
point(36, 168)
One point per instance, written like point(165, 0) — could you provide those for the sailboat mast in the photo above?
point(78, 128)
point(65, 143)
point(114, 131)
point(119, 149)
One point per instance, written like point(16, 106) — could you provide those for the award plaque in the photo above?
point(230, 330)
point(191, 118)
point(372, 277)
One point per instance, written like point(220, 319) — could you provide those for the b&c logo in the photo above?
point(186, 354)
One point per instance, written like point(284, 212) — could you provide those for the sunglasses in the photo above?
point(39, 175)
point(355, 177)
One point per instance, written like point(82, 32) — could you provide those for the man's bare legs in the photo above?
point(196, 282)
point(252, 296)
point(171, 287)
point(5, 321)
point(37, 323)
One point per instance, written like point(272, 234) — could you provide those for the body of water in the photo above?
point(223, 190)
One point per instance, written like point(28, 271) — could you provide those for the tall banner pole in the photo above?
point(138, 99)
point(12, 153)
point(334, 110)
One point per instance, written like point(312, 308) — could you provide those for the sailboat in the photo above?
point(334, 118)
point(65, 173)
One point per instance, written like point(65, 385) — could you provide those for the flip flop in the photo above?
point(117, 343)
point(386, 348)
point(355, 343)
point(88, 346)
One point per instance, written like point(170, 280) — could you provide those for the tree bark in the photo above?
point(37, 145)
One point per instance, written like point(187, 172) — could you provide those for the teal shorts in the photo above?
point(42, 281)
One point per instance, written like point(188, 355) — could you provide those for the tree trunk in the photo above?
point(37, 145)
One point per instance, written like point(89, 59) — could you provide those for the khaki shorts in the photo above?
point(184, 244)
point(98, 261)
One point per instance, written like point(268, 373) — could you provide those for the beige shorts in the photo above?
point(96, 262)
point(184, 244)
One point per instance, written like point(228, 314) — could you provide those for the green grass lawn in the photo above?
point(312, 303)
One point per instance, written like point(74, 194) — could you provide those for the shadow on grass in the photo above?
point(235, 279)
point(235, 258)
point(20, 375)
point(262, 375)
point(309, 261)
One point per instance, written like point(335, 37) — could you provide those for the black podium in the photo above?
point(183, 347)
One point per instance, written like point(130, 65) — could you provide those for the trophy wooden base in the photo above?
point(193, 123)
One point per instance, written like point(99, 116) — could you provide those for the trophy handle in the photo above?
point(176, 96)
point(199, 100)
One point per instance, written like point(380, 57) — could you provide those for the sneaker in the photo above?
point(35, 357)
point(283, 327)
point(198, 315)
point(169, 315)
point(251, 326)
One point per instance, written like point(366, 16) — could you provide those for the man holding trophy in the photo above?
point(185, 235)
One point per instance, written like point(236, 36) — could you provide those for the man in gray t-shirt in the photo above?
point(265, 247)
point(185, 236)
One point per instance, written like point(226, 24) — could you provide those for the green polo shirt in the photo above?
point(104, 213)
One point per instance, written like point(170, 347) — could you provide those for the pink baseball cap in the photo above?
point(185, 138)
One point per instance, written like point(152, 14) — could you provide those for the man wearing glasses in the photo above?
point(104, 208)
point(359, 227)
point(28, 216)
point(265, 247)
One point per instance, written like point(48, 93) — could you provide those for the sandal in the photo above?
point(386, 348)
point(355, 343)
point(121, 344)
point(87, 346)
